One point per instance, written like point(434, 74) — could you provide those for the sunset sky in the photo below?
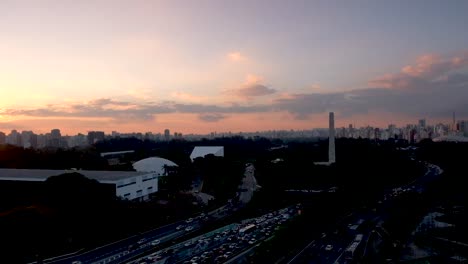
point(200, 66)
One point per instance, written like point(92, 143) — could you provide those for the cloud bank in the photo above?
point(432, 87)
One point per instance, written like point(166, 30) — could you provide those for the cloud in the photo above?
point(433, 87)
point(428, 68)
point(104, 107)
point(186, 97)
point(436, 100)
point(143, 94)
point(252, 87)
point(130, 111)
point(315, 87)
point(254, 90)
point(215, 117)
point(236, 56)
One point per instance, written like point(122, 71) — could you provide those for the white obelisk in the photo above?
point(331, 139)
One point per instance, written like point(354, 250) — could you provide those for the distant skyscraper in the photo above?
point(95, 136)
point(26, 137)
point(2, 138)
point(454, 125)
point(463, 127)
point(55, 137)
point(167, 134)
point(331, 138)
point(14, 138)
point(422, 123)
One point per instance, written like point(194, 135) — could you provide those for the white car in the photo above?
point(188, 243)
point(189, 228)
point(329, 247)
point(155, 242)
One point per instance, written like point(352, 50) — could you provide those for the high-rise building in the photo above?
point(95, 136)
point(167, 134)
point(27, 137)
point(422, 123)
point(14, 138)
point(55, 138)
point(454, 125)
point(331, 138)
point(463, 127)
point(33, 141)
point(2, 138)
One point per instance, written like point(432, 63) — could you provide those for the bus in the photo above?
point(246, 229)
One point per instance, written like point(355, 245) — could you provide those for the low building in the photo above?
point(155, 165)
point(126, 184)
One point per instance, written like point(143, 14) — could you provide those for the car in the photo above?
point(189, 228)
point(329, 247)
point(132, 247)
point(190, 220)
point(168, 252)
point(155, 242)
point(179, 227)
point(195, 259)
point(154, 257)
point(252, 241)
point(141, 241)
point(188, 244)
point(233, 245)
point(219, 259)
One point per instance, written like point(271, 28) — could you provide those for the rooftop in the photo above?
point(42, 175)
point(202, 151)
point(153, 164)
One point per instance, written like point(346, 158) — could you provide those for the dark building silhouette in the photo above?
point(2, 138)
point(95, 136)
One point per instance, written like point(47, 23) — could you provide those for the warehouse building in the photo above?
point(126, 184)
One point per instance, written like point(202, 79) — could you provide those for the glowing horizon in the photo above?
point(240, 66)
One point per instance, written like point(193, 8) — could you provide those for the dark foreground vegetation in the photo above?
point(74, 212)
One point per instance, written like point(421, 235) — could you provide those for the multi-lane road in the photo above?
point(362, 228)
point(129, 248)
point(223, 244)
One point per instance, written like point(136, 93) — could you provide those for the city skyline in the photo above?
point(198, 67)
point(414, 132)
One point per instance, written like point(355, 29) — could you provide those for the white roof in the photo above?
point(153, 164)
point(202, 151)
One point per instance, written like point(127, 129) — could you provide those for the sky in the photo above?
point(203, 66)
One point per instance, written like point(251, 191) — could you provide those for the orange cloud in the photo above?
point(186, 97)
point(236, 56)
point(427, 68)
point(252, 87)
point(423, 65)
point(140, 93)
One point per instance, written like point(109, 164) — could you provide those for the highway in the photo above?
point(223, 244)
point(131, 247)
point(336, 246)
